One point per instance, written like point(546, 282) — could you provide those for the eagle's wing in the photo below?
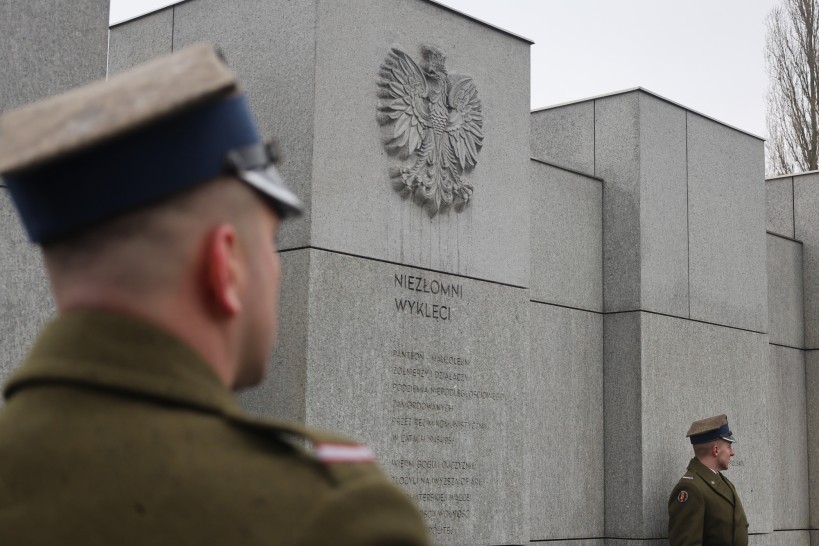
point(404, 89)
point(465, 124)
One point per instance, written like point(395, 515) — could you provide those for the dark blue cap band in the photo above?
point(131, 171)
point(711, 435)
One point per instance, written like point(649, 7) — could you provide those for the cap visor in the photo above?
point(729, 438)
point(268, 182)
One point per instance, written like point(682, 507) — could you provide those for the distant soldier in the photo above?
point(704, 508)
point(157, 206)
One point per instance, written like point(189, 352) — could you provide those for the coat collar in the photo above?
point(118, 352)
point(115, 352)
point(713, 480)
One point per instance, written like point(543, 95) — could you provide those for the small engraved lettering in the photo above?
point(413, 372)
point(449, 359)
point(421, 284)
point(450, 376)
point(438, 529)
point(423, 309)
point(431, 497)
point(419, 405)
point(409, 355)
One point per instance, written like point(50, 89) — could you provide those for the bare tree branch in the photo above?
point(792, 62)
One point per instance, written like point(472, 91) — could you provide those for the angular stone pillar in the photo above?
point(406, 329)
point(45, 48)
point(804, 212)
point(566, 366)
point(684, 295)
point(792, 412)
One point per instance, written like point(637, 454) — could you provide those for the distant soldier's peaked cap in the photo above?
point(712, 428)
point(100, 150)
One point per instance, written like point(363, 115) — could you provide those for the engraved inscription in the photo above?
point(440, 406)
point(437, 127)
point(417, 308)
point(434, 286)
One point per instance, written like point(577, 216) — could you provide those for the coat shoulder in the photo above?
point(686, 489)
point(337, 457)
point(362, 507)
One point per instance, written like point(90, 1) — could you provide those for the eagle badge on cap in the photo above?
point(682, 496)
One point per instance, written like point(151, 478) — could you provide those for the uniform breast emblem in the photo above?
point(682, 496)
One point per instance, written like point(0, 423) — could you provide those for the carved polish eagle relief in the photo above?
point(436, 127)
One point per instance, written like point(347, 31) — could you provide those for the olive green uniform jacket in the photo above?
point(704, 509)
point(116, 433)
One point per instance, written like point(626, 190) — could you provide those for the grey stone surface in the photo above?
point(490, 237)
point(25, 298)
point(781, 538)
point(679, 363)
point(578, 542)
point(622, 403)
point(806, 211)
point(779, 206)
point(789, 420)
point(726, 214)
point(140, 40)
point(786, 316)
point(657, 381)
point(48, 47)
point(814, 538)
point(45, 48)
point(668, 245)
point(272, 50)
point(680, 357)
point(356, 208)
point(812, 390)
point(617, 161)
point(638, 542)
point(441, 401)
point(564, 136)
point(282, 394)
point(566, 377)
point(566, 240)
point(311, 74)
point(663, 207)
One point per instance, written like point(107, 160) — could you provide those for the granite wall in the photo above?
point(525, 366)
point(45, 48)
point(415, 323)
point(565, 371)
point(793, 246)
point(689, 278)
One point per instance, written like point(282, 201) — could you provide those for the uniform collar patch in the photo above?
point(344, 453)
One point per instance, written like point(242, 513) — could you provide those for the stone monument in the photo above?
point(521, 312)
point(404, 300)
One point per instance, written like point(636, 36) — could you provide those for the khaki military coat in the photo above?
point(704, 509)
point(113, 432)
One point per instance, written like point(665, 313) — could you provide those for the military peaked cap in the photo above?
point(707, 430)
point(104, 149)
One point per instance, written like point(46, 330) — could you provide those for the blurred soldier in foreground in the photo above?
point(704, 508)
point(157, 206)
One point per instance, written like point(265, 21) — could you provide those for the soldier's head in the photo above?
point(712, 441)
point(152, 194)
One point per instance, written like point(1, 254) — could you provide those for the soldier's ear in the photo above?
point(224, 274)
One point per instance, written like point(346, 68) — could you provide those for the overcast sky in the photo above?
point(707, 55)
